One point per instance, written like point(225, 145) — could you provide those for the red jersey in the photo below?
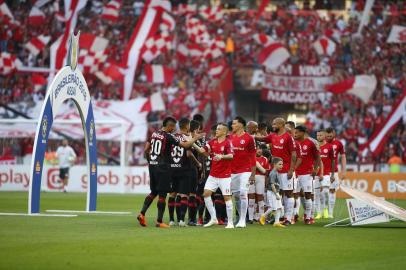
point(264, 162)
point(220, 168)
point(298, 149)
point(282, 147)
point(327, 156)
point(244, 153)
point(309, 155)
point(338, 149)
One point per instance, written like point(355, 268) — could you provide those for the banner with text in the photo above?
point(293, 83)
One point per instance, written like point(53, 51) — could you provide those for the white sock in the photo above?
point(261, 206)
point(289, 208)
point(210, 207)
point(236, 196)
point(251, 208)
point(277, 215)
point(324, 199)
point(255, 210)
point(229, 210)
point(317, 201)
point(244, 205)
point(267, 212)
point(308, 208)
point(297, 207)
point(303, 201)
point(331, 202)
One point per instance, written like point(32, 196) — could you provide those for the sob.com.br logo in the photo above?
point(53, 180)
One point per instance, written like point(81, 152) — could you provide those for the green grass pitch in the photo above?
point(118, 242)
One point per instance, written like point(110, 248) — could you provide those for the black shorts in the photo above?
point(194, 176)
point(181, 181)
point(201, 184)
point(63, 173)
point(160, 179)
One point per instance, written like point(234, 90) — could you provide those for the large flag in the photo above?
point(168, 23)
point(110, 73)
point(92, 55)
point(154, 103)
point(147, 25)
point(365, 15)
point(5, 13)
point(156, 45)
point(111, 10)
point(211, 13)
point(38, 81)
point(216, 48)
point(397, 34)
point(158, 74)
point(377, 141)
point(8, 63)
point(273, 56)
point(324, 46)
point(262, 7)
point(36, 16)
point(197, 30)
point(263, 39)
point(361, 86)
point(37, 44)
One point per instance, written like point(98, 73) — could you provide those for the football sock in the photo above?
point(161, 207)
point(178, 208)
point(209, 205)
point(261, 207)
point(251, 208)
point(236, 196)
point(277, 215)
point(289, 208)
point(297, 206)
point(171, 208)
point(183, 208)
point(229, 210)
point(192, 208)
point(324, 198)
point(201, 207)
point(331, 202)
point(308, 207)
point(316, 202)
point(147, 202)
point(244, 205)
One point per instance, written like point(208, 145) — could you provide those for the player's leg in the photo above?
point(171, 208)
point(244, 186)
point(225, 187)
point(287, 186)
point(251, 203)
point(317, 194)
point(271, 207)
point(178, 207)
point(212, 184)
point(201, 208)
point(296, 197)
point(66, 179)
point(192, 206)
point(324, 190)
point(305, 183)
point(164, 179)
point(183, 189)
point(259, 194)
point(219, 205)
point(332, 196)
point(149, 198)
point(235, 190)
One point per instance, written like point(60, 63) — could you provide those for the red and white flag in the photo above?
point(90, 62)
point(8, 63)
point(110, 73)
point(215, 49)
point(154, 103)
point(5, 13)
point(186, 9)
point(324, 46)
point(212, 13)
point(168, 23)
point(195, 50)
point(196, 30)
point(163, 5)
point(361, 86)
point(36, 16)
point(182, 52)
point(37, 44)
point(397, 34)
point(156, 45)
point(273, 56)
point(261, 8)
point(377, 141)
point(216, 69)
point(92, 43)
point(38, 81)
point(263, 39)
point(158, 74)
point(111, 10)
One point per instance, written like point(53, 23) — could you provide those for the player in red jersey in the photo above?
point(284, 147)
point(308, 168)
point(158, 153)
point(243, 167)
point(290, 127)
point(221, 153)
point(328, 159)
point(257, 189)
point(339, 151)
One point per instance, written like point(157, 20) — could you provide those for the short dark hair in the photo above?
point(301, 128)
point(194, 125)
point(198, 117)
point(183, 122)
point(291, 123)
point(275, 160)
point(241, 120)
point(213, 127)
point(329, 130)
point(229, 125)
point(262, 126)
point(167, 120)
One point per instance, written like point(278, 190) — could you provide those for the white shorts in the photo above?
point(273, 203)
point(286, 184)
point(306, 182)
point(240, 182)
point(336, 184)
point(259, 186)
point(316, 182)
point(296, 188)
point(326, 181)
point(213, 183)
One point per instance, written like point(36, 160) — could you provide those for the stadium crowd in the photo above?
point(189, 91)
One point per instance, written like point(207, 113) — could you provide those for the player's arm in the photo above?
point(201, 150)
point(223, 157)
point(189, 143)
point(292, 163)
point(194, 159)
point(317, 165)
point(147, 150)
point(260, 168)
point(332, 170)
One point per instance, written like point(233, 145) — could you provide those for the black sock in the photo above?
point(192, 208)
point(171, 208)
point(161, 207)
point(201, 207)
point(183, 207)
point(178, 208)
point(147, 202)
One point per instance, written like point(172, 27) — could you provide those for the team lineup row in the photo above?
point(263, 173)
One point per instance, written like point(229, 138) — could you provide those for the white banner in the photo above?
point(361, 213)
point(128, 112)
point(110, 179)
point(397, 34)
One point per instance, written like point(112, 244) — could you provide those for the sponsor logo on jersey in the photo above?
point(282, 140)
point(325, 150)
point(242, 141)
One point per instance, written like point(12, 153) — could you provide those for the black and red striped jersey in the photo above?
point(161, 147)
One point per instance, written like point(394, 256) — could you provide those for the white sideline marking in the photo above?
point(89, 212)
point(36, 215)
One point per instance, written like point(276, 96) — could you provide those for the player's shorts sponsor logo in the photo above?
point(53, 180)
